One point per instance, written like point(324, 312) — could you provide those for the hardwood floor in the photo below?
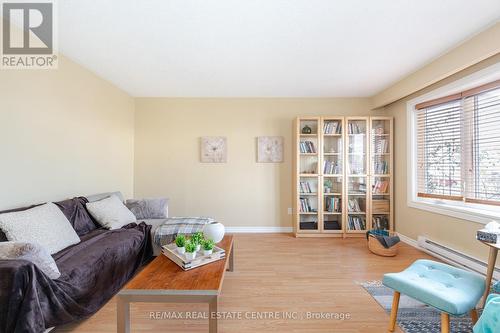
point(279, 273)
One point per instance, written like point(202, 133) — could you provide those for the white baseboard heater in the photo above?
point(455, 257)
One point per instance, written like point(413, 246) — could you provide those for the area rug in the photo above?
point(414, 316)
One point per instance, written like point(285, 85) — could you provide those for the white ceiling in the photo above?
point(265, 48)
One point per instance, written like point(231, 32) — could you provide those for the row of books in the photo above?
point(381, 146)
point(356, 223)
point(331, 167)
point(354, 128)
point(332, 127)
point(380, 186)
point(381, 167)
point(333, 205)
point(305, 187)
point(353, 205)
point(307, 147)
point(305, 206)
point(380, 222)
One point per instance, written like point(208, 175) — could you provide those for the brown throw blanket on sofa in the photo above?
point(91, 273)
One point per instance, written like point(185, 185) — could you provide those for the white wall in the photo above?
point(240, 192)
point(63, 133)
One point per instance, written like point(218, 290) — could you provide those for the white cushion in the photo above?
point(32, 252)
point(45, 225)
point(111, 213)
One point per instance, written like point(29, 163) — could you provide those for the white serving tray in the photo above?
point(170, 251)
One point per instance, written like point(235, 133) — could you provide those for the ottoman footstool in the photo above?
point(451, 290)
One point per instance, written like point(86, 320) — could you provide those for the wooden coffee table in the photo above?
point(165, 282)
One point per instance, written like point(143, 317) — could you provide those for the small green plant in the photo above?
point(197, 238)
point(208, 244)
point(328, 184)
point(190, 247)
point(180, 240)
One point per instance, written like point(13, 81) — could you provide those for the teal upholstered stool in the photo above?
point(449, 289)
point(490, 318)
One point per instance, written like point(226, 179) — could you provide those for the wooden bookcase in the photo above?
point(342, 176)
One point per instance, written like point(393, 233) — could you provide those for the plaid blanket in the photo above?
point(166, 233)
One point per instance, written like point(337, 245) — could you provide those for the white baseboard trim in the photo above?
point(409, 241)
point(414, 243)
point(270, 230)
point(464, 264)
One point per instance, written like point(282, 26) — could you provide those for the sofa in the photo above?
point(154, 223)
point(92, 271)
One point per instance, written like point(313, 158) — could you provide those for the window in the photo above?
point(458, 146)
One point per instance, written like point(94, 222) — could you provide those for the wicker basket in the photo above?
point(377, 248)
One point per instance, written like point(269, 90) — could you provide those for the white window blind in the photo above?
point(439, 155)
point(458, 146)
point(483, 173)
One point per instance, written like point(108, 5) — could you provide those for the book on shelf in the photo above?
point(356, 223)
point(381, 167)
point(305, 206)
point(332, 127)
point(331, 167)
point(380, 222)
point(307, 147)
point(333, 205)
point(381, 146)
point(305, 187)
point(380, 187)
point(354, 128)
point(353, 205)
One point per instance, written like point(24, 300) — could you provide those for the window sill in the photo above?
point(470, 212)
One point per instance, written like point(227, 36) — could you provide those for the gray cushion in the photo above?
point(110, 213)
point(100, 196)
point(154, 208)
point(32, 252)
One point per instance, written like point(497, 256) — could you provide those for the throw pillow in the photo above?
point(32, 252)
point(45, 224)
point(3, 238)
point(155, 208)
point(110, 213)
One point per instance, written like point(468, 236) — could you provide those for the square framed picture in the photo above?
point(270, 149)
point(214, 149)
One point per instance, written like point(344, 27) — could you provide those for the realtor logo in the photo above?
point(28, 32)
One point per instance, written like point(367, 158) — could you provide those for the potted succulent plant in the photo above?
point(197, 239)
point(208, 247)
point(328, 186)
point(180, 241)
point(190, 250)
